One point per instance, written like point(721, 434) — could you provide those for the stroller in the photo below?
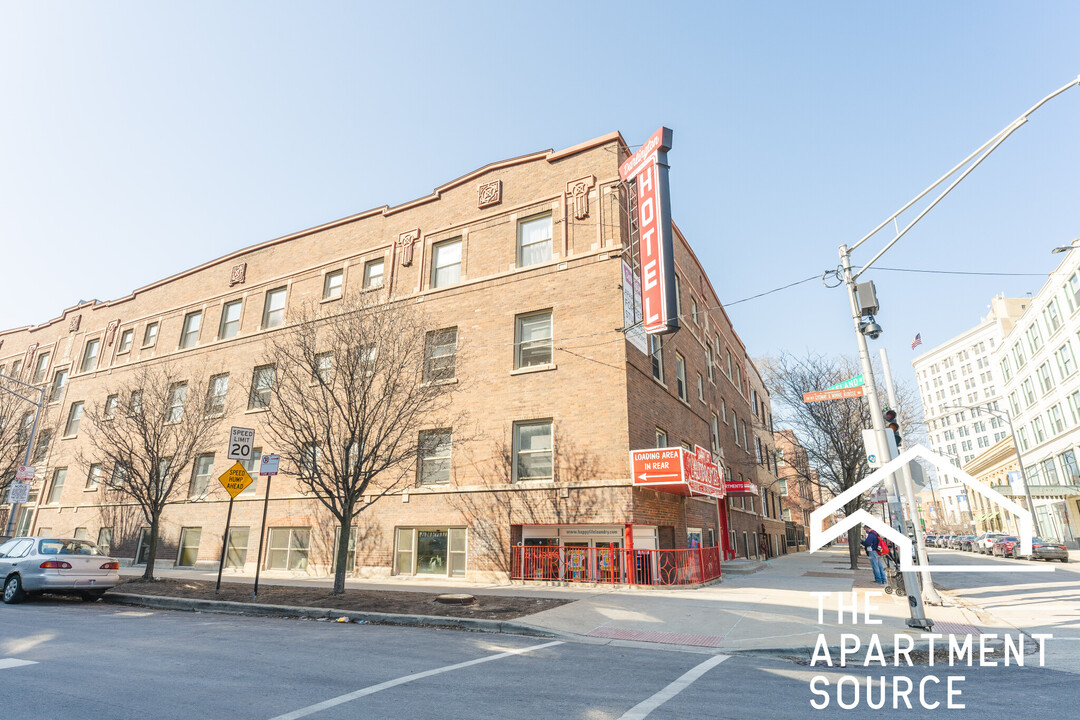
point(894, 579)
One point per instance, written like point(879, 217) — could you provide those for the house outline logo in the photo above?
point(818, 536)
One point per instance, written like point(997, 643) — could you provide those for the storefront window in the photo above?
point(431, 551)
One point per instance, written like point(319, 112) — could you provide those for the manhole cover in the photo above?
point(455, 599)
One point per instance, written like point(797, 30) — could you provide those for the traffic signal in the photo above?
point(892, 424)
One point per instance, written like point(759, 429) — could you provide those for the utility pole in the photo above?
point(30, 441)
point(929, 591)
point(918, 615)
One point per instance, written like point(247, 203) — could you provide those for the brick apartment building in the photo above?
point(523, 252)
point(799, 490)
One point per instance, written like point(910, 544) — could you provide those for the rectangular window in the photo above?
point(656, 352)
point(150, 335)
point(189, 335)
point(126, 339)
point(274, 308)
point(1014, 403)
point(111, 403)
point(1028, 388)
point(56, 392)
point(93, 477)
point(700, 388)
point(215, 394)
point(661, 438)
point(533, 451)
point(177, 396)
point(1071, 469)
point(236, 552)
point(1034, 337)
point(534, 340)
point(104, 540)
point(1046, 378)
point(324, 368)
point(44, 437)
point(708, 363)
point(1057, 420)
point(230, 319)
point(71, 428)
point(680, 376)
point(57, 489)
point(1037, 430)
point(331, 287)
point(201, 476)
point(262, 383)
point(288, 548)
point(433, 466)
point(373, 274)
point(40, 368)
point(309, 460)
point(446, 263)
point(1065, 361)
point(89, 358)
point(440, 354)
point(1052, 317)
point(715, 430)
point(678, 295)
point(534, 240)
point(1018, 355)
point(189, 546)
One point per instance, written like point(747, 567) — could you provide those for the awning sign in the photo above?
point(678, 471)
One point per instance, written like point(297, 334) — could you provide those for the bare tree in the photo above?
point(356, 392)
point(16, 422)
point(148, 433)
point(831, 431)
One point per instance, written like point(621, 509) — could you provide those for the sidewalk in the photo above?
point(772, 611)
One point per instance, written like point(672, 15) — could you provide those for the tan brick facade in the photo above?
point(599, 392)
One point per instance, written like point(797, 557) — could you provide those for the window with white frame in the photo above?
point(177, 396)
point(189, 335)
point(1051, 317)
point(700, 388)
point(661, 438)
point(534, 240)
point(126, 340)
point(252, 466)
point(56, 391)
point(533, 344)
point(680, 376)
point(708, 363)
point(90, 355)
point(262, 385)
point(1066, 362)
point(71, 428)
point(324, 368)
point(735, 426)
point(1046, 378)
point(150, 335)
point(533, 451)
point(446, 263)
point(1034, 337)
point(440, 354)
point(1037, 430)
point(216, 393)
point(200, 476)
point(230, 319)
point(1018, 355)
point(433, 464)
point(40, 368)
point(93, 476)
point(274, 308)
point(715, 434)
point(373, 273)
point(1028, 387)
point(289, 547)
point(57, 488)
point(1057, 420)
point(332, 283)
point(656, 354)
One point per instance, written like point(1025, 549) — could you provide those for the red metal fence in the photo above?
point(615, 565)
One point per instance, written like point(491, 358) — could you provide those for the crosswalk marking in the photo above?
point(6, 663)
point(646, 706)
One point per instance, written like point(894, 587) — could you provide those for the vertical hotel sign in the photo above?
point(648, 167)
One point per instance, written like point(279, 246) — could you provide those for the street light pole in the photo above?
point(918, 616)
point(1019, 459)
point(30, 440)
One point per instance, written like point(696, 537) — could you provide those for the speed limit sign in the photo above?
point(241, 441)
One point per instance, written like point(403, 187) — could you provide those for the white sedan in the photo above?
point(32, 565)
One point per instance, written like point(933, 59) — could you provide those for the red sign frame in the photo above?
point(649, 167)
point(678, 471)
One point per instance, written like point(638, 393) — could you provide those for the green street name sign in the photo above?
point(856, 381)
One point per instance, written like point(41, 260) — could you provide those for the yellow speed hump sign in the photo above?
point(235, 479)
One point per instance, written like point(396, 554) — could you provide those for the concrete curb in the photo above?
point(161, 602)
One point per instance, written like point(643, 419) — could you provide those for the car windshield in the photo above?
point(67, 547)
point(1039, 541)
point(1009, 538)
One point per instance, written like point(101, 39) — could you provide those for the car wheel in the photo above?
point(1064, 560)
point(13, 591)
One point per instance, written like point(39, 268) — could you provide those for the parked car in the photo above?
point(1006, 546)
point(1045, 550)
point(954, 541)
point(984, 541)
point(33, 565)
point(967, 543)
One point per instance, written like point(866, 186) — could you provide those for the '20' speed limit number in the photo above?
point(241, 441)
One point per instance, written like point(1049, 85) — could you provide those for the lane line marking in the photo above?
point(340, 699)
point(6, 663)
point(646, 706)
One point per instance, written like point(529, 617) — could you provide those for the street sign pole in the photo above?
point(269, 468)
point(224, 545)
point(30, 441)
point(262, 533)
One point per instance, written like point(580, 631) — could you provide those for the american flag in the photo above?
point(917, 341)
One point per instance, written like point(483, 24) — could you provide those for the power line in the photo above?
point(960, 272)
point(770, 292)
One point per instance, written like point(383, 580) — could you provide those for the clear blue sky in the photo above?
point(139, 139)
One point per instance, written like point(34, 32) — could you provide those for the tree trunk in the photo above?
point(151, 555)
point(342, 552)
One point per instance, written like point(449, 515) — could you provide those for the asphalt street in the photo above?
point(61, 658)
point(1036, 602)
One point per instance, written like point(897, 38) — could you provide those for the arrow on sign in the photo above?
point(647, 476)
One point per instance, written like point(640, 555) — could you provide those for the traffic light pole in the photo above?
point(929, 591)
point(918, 617)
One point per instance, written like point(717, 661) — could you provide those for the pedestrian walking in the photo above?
point(871, 543)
